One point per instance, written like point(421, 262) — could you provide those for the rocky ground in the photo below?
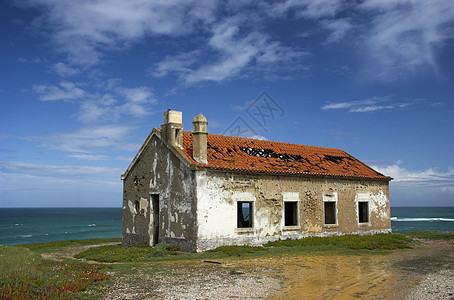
point(437, 274)
point(425, 272)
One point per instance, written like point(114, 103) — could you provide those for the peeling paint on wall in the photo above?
point(198, 208)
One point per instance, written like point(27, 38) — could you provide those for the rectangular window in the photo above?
point(245, 213)
point(330, 212)
point(291, 213)
point(363, 212)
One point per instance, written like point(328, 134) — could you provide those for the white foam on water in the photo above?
point(421, 219)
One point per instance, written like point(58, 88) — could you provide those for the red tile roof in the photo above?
point(250, 155)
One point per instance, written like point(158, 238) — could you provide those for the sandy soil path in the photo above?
point(425, 272)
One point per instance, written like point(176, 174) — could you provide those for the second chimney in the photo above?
point(199, 139)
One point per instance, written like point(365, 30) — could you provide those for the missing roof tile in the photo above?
point(268, 153)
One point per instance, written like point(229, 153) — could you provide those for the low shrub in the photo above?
point(378, 241)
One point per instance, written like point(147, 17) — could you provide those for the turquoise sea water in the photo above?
point(37, 225)
point(422, 218)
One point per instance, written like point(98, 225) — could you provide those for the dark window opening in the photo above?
point(363, 212)
point(290, 213)
point(330, 212)
point(244, 214)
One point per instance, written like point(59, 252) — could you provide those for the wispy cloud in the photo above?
point(233, 50)
point(107, 102)
point(52, 176)
point(93, 138)
point(314, 9)
point(339, 29)
point(397, 36)
point(89, 156)
point(65, 91)
point(368, 105)
point(422, 178)
point(63, 70)
point(404, 35)
point(116, 102)
point(84, 29)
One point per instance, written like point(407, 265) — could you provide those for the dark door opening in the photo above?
point(155, 204)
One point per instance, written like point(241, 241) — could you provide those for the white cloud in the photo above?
point(115, 103)
point(137, 100)
point(307, 8)
point(57, 177)
point(369, 105)
point(66, 91)
point(221, 41)
point(234, 52)
point(429, 178)
point(93, 138)
point(63, 70)
point(180, 63)
point(404, 35)
point(89, 156)
point(84, 29)
point(339, 29)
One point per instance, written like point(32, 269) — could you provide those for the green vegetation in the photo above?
point(143, 253)
point(114, 253)
point(237, 250)
point(430, 235)
point(25, 275)
point(50, 246)
point(355, 242)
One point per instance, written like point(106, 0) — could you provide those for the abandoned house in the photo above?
point(201, 191)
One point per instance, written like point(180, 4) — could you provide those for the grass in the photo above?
point(356, 242)
point(430, 235)
point(237, 250)
point(25, 275)
point(51, 246)
point(119, 253)
point(136, 253)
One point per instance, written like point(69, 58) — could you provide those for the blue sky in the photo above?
point(82, 83)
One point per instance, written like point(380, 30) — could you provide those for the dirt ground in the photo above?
point(424, 272)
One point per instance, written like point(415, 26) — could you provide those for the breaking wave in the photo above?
point(421, 219)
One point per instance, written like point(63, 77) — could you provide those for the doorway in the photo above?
point(155, 208)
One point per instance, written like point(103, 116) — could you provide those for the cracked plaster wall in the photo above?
point(218, 192)
point(159, 171)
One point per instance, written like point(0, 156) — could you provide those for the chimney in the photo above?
point(172, 129)
point(199, 139)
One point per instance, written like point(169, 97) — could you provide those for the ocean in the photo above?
point(39, 225)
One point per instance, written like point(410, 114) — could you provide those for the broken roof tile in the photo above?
point(243, 154)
